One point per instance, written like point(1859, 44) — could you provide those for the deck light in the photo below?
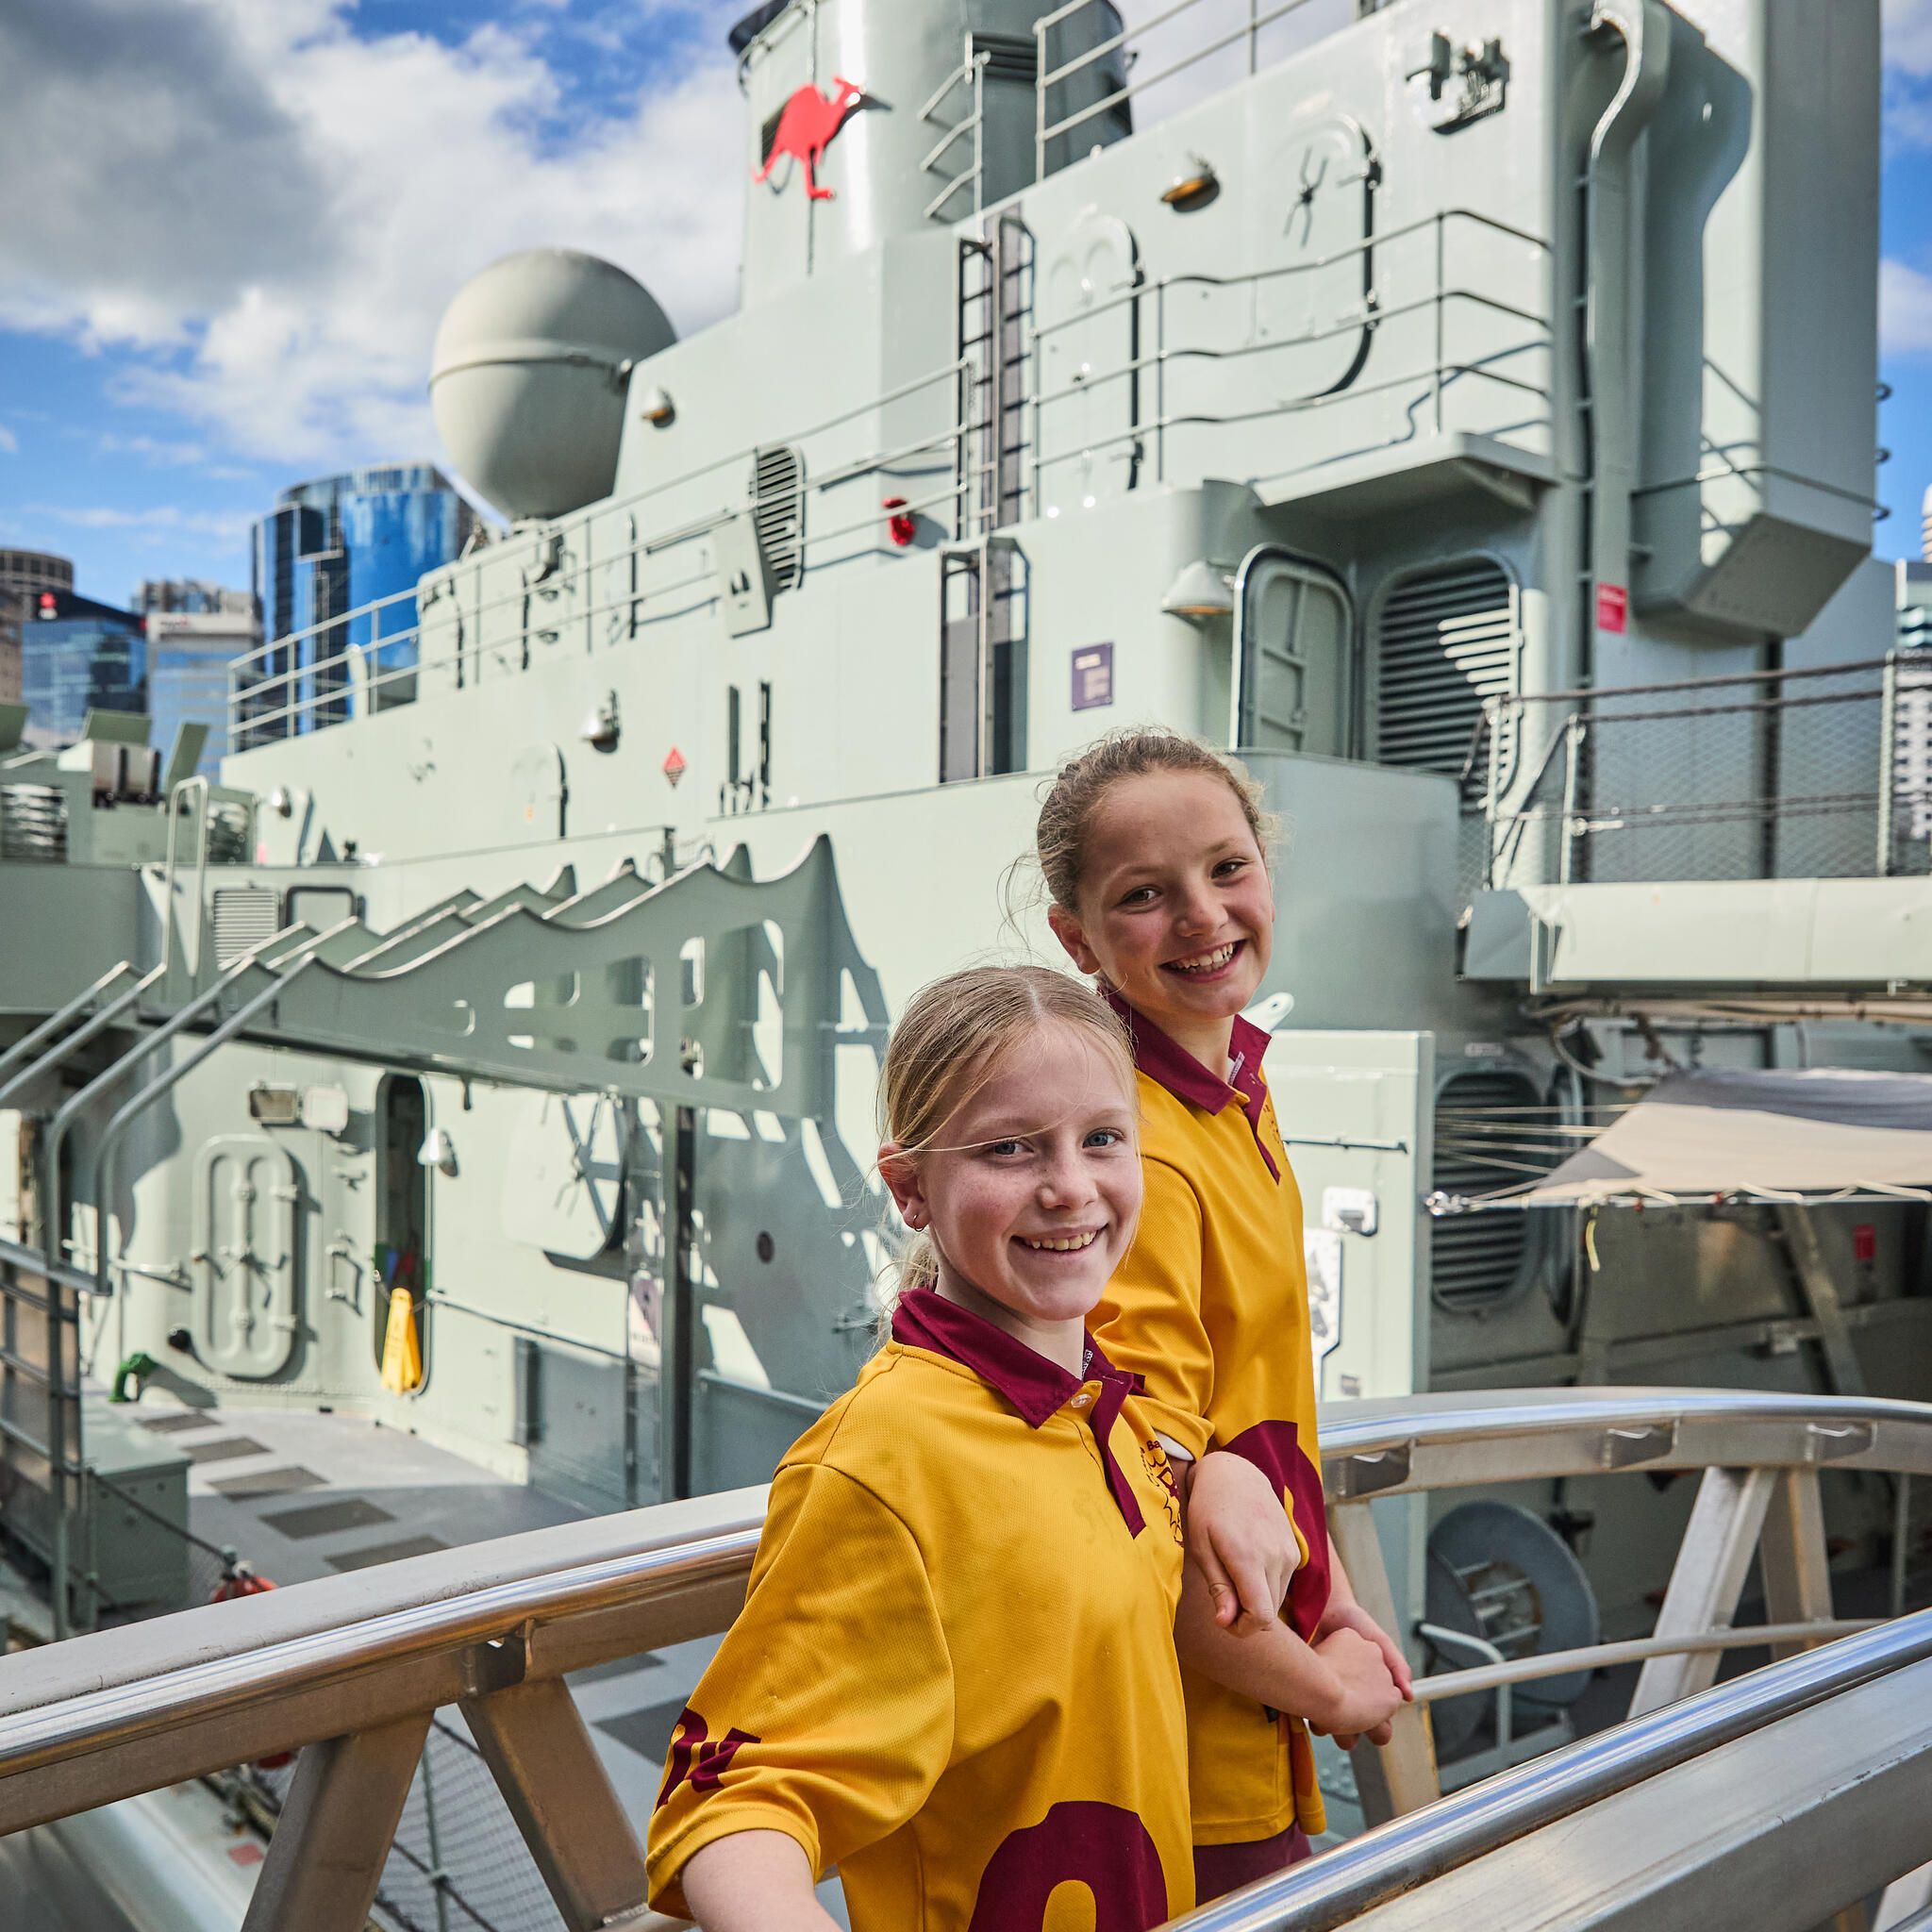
point(1202, 590)
point(1195, 186)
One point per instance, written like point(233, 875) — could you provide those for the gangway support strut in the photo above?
point(535, 1742)
point(325, 1858)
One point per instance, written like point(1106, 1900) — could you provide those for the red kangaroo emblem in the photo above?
point(806, 127)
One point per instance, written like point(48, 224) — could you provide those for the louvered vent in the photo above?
point(1008, 56)
point(777, 495)
point(1447, 640)
point(33, 822)
point(243, 917)
point(1476, 1260)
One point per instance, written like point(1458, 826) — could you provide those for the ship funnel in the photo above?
point(529, 379)
point(870, 118)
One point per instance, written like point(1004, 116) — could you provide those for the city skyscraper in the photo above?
point(331, 547)
point(195, 631)
point(78, 655)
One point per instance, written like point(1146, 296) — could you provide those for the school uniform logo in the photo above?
point(692, 1756)
point(1154, 1460)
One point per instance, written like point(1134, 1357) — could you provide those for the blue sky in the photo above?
point(241, 218)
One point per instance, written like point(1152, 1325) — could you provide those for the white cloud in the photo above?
point(8, 442)
point(264, 216)
point(158, 520)
point(163, 454)
point(1909, 35)
point(1905, 310)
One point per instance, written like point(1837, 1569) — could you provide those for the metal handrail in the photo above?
point(1332, 1889)
point(278, 680)
point(116, 1688)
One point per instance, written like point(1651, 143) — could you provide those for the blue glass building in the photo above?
point(332, 547)
point(77, 656)
point(195, 631)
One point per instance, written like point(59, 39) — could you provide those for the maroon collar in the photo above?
point(1165, 1061)
point(1035, 1387)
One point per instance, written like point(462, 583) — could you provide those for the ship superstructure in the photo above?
point(1467, 413)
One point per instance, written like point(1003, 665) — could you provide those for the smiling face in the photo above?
point(1176, 908)
point(1031, 1189)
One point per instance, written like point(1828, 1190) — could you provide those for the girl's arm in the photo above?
point(1338, 1683)
point(1345, 1613)
point(1239, 1538)
point(753, 1881)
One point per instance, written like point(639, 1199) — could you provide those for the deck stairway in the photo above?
point(1785, 1799)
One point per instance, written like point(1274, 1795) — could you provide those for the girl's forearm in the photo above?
point(753, 1881)
point(1272, 1665)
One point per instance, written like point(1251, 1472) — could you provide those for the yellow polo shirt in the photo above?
point(1211, 1310)
point(954, 1678)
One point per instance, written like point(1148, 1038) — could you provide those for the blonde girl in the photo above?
point(1154, 853)
point(954, 1678)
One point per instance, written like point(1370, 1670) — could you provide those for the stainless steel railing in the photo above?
point(1383, 1864)
point(351, 1668)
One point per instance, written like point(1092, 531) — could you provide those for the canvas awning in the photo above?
point(1827, 1134)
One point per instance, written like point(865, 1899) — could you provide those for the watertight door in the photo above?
point(243, 1262)
point(1292, 648)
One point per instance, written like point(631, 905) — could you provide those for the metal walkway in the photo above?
point(1834, 1742)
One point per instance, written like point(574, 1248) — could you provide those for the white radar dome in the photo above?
point(529, 375)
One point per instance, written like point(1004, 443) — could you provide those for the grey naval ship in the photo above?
point(457, 1123)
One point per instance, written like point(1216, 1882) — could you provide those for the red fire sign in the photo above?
point(673, 764)
point(1612, 608)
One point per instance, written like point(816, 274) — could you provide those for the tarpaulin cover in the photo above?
point(1773, 1135)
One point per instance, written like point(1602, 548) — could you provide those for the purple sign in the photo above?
point(1093, 676)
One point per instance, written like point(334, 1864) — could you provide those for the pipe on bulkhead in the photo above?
point(1610, 324)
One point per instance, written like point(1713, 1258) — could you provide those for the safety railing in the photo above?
point(1125, 45)
point(958, 175)
point(351, 1669)
point(1822, 773)
point(296, 683)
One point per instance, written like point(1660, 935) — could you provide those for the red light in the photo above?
point(1864, 1242)
point(903, 522)
point(46, 600)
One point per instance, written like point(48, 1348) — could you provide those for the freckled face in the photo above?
point(1033, 1190)
point(1177, 911)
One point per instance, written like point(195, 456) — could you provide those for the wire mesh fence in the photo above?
point(1812, 773)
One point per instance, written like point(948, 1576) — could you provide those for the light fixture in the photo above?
point(438, 1151)
point(656, 407)
point(1195, 186)
point(600, 728)
point(1202, 590)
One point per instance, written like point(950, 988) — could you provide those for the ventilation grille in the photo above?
point(243, 917)
point(1447, 640)
point(777, 494)
point(1476, 1260)
point(1008, 56)
point(33, 821)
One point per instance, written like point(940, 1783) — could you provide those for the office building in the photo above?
point(195, 631)
point(333, 546)
point(9, 650)
point(77, 656)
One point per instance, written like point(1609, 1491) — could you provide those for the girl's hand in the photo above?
point(1241, 1540)
point(1344, 1613)
point(1363, 1692)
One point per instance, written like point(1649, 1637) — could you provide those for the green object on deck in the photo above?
point(136, 1368)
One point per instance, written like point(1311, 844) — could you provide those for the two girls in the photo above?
point(953, 1677)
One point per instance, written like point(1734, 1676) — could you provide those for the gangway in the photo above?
point(350, 1671)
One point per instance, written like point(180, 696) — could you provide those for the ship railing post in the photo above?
point(533, 1738)
point(1436, 382)
point(1039, 101)
point(1399, 1775)
point(332, 1840)
point(1569, 832)
point(1888, 741)
point(1707, 1580)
